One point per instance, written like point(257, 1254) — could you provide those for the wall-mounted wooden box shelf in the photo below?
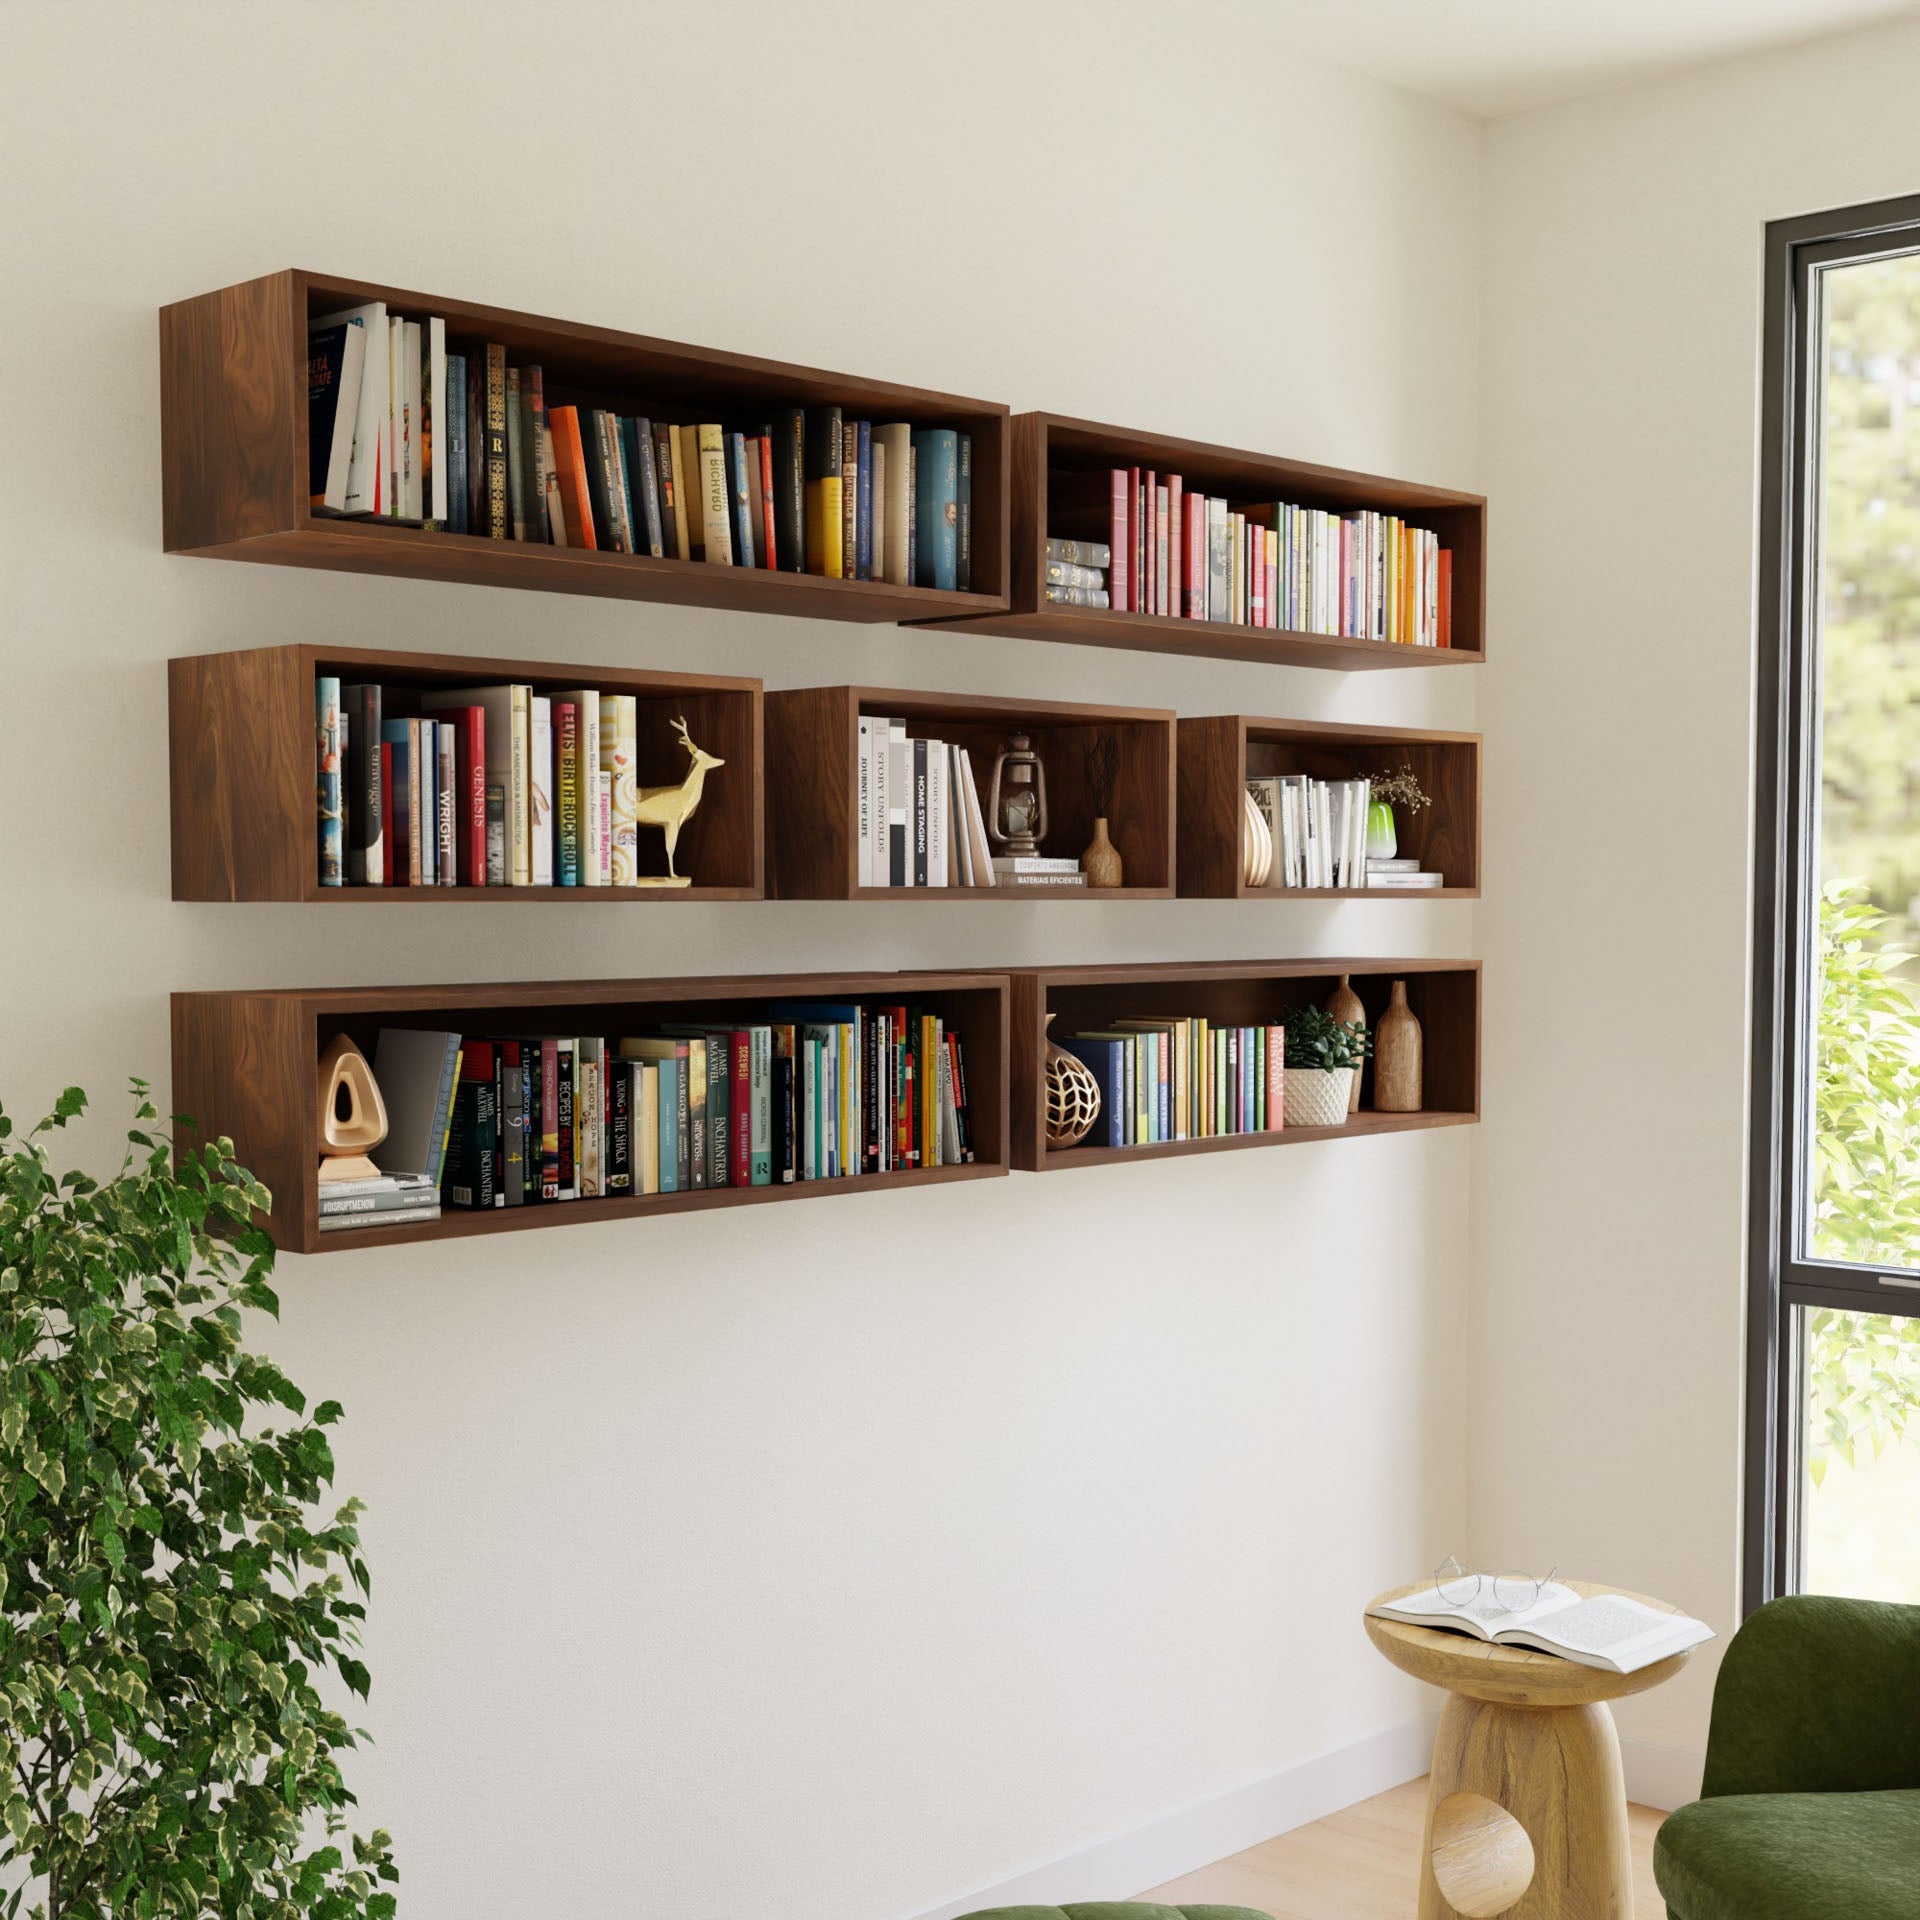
point(241, 753)
point(813, 771)
point(1444, 995)
point(1061, 489)
point(233, 427)
point(1219, 754)
point(244, 1064)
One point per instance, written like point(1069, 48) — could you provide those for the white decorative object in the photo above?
point(1317, 1096)
point(1256, 843)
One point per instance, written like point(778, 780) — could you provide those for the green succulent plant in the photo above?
point(1316, 1039)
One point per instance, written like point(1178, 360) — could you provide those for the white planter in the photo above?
point(1317, 1096)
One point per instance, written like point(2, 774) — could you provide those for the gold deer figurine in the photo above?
point(669, 808)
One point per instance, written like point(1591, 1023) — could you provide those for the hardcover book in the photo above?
point(823, 471)
point(937, 484)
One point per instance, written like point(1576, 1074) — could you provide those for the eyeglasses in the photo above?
point(1510, 1592)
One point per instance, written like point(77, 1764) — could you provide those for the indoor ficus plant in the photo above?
point(169, 1600)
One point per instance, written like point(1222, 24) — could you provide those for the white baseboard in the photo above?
point(1661, 1777)
point(1125, 1863)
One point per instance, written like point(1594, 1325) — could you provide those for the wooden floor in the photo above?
point(1359, 1865)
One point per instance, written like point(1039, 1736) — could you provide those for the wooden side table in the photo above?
point(1527, 1809)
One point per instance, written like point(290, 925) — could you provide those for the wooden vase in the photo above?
point(1101, 861)
point(1346, 1006)
point(1397, 1057)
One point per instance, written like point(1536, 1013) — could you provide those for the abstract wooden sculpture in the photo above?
point(353, 1117)
point(1073, 1097)
point(669, 808)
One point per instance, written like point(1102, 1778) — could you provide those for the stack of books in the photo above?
point(1075, 573)
point(1165, 1079)
point(382, 1200)
point(402, 426)
point(816, 1090)
point(1355, 575)
point(1402, 872)
point(1319, 829)
point(492, 786)
point(1037, 870)
point(919, 822)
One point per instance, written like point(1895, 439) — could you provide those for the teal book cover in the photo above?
point(937, 509)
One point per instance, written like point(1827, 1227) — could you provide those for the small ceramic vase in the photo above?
point(1346, 1007)
point(1397, 1046)
point(1101, 861)
point(1382, 841)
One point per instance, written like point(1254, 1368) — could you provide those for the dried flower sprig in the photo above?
point(1400, 787)
point(1102, 763)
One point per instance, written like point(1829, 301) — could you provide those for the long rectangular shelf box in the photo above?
point(1220, 753)
point(245, 1064)
point(233, 436)
point(241, 771)
point(1443, 994)
point(813, 782)
point(1062, 473)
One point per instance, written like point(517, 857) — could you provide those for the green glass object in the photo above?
point(1382, 841)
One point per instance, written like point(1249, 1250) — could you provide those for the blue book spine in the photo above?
point(863, 524)
point(742, 488)
point(329, 754)
point(1102, 1059)
point(669, 1091)
point(937, 508)
point(456, 430)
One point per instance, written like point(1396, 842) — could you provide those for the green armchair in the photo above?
point(1810, 1808)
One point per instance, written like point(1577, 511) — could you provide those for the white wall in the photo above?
point(1622, 307)
point(838, 1560)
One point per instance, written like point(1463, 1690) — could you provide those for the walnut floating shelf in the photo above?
point(245, 1065)
point(1061, 489)
point(233, 435)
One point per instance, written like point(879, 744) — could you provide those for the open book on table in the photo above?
point(1608, 1631)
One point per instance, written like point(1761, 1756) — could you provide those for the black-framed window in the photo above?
point(1833, 1453)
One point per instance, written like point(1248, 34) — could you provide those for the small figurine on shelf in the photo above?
point(669, 808)
point(1101, 861)
point(353, 1117)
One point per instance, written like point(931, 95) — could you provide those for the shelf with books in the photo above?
point(245, 1064)
point(1232, 997)
point(1074, 484)
point(820, 755)
point(241, 369)
point(1221, 755)
point(242, 758)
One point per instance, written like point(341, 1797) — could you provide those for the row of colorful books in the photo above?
point(402, 428)
point(1356, 575)
point(490, 786)
point(818, 1090)
point(1183, 1078)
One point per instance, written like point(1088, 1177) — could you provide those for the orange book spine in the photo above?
point(1446, 597)
point(570, 463)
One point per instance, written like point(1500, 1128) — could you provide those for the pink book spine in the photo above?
point(1256, 576)
point(1136, 526)
point(1176, 543)
point(1276, 1078)
point(1196, 581)
point(1149, 572)
point(1117, 575)
point(1273, 578)
point(1162, 551)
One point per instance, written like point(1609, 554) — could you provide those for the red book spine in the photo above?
point(1176, 538)
point(740, 1105)
point(389, 836)
point(470, 785)
point(570, 465)
point(1276, 1078)
point(765, 444)
point(1445, 638)
point(902, 1066)
point(1117, 540)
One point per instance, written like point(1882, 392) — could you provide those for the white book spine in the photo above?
point(540, 793)
point(366, 470)
point(450, 804)
point(899, 799)
point(864, 775)
point(415, 494)
point(882, 790)
point(937, 813)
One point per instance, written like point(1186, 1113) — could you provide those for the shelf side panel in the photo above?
point(232, 414)
point(812, 794)
point(1212, 761)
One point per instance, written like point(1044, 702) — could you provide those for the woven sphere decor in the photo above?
point(1073, 1097)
